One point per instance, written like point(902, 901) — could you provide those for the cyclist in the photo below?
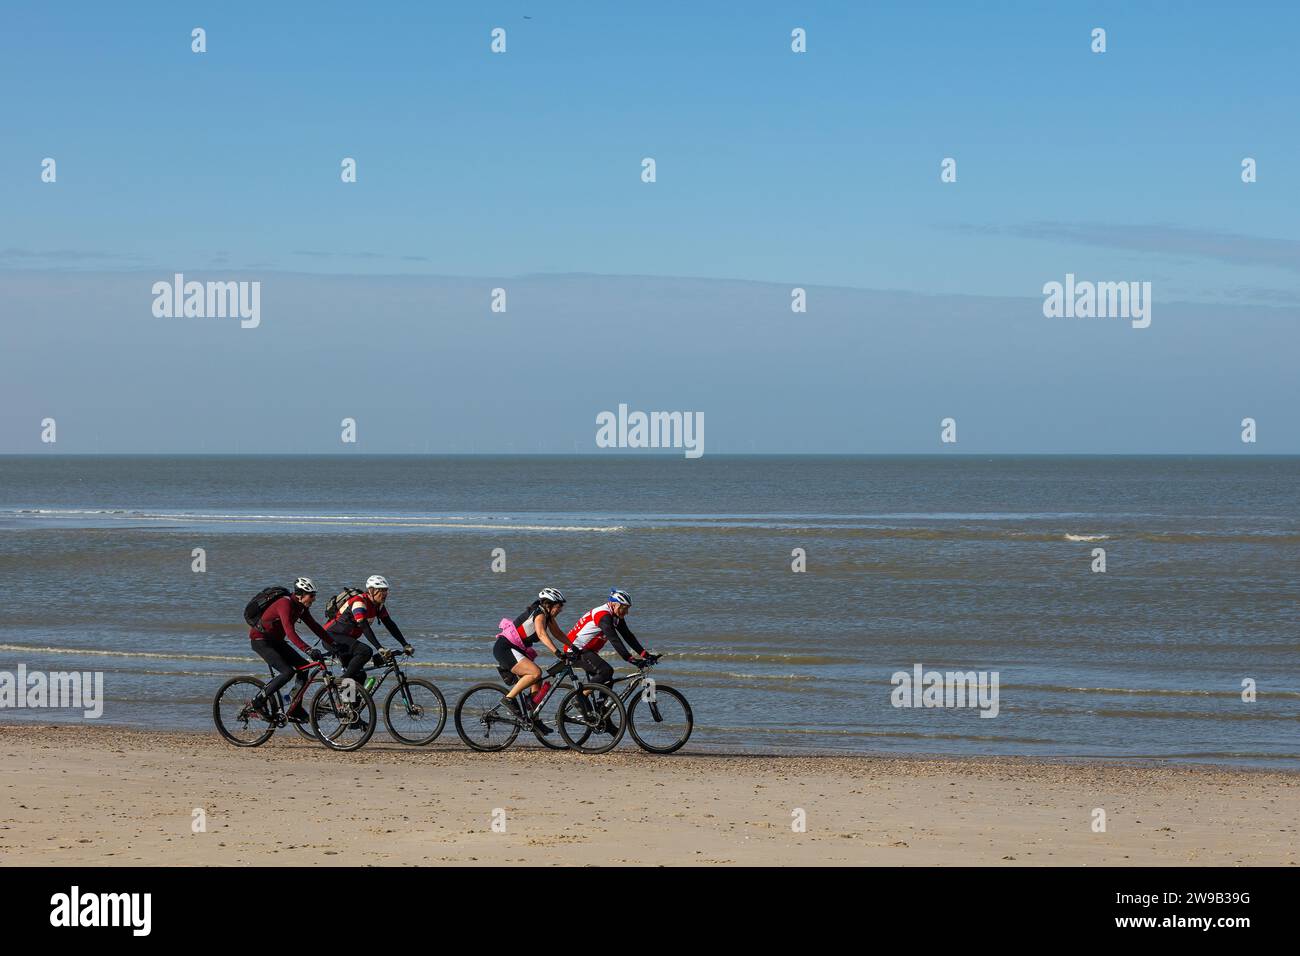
point(353, 620)
point(268, 639)
point(514, 650)
point(605, 623)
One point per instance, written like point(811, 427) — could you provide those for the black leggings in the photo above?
point(284, 660)
point(353, 652)
point(597, 668)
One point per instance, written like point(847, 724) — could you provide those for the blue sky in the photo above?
point(819, 169)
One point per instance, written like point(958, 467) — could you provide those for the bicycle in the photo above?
point(671, 718)
point(488, 723)
point(244, 726)
point(414, 699)
point(348, 714)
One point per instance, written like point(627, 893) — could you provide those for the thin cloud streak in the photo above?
point(1158, 239)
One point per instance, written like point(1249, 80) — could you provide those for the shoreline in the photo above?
point(80, 795)
point(448, 741)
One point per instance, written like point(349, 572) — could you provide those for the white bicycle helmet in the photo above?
point(551, 594)
point(304, 586)
point(377, 581)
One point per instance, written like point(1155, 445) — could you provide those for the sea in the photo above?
point(1128, 608)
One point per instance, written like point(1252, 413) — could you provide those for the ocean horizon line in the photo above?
point(666, 454)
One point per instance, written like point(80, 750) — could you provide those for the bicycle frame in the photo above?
point(559, 671)
point(315, 670)
point(633, 682)
point(387, 669)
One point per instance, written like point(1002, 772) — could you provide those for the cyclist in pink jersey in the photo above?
point(514, 649)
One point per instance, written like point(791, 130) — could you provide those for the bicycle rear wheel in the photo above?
point(484, 720)
point(592, 719)
point(420, 713)
point(553, 741)
point(341, 724)
point(232, 712)
point(578, 729)
point(662, 724)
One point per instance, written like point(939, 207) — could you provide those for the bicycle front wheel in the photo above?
point(232, 712)
point(416, 715)
point(660, 720)
point(592, 719)
point(484, 720)
point(304, 729)
point(341, 724)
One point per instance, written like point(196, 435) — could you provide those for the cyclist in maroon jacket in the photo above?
point(270, 639)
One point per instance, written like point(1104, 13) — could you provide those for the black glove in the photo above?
point(317, 656)
point(408, 649)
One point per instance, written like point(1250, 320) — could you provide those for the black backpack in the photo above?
point(336, 603)
point(255, 608)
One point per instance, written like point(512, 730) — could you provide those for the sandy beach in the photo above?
point(89, 795)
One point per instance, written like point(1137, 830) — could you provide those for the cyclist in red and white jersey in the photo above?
point(604, 624)
point(345, 629)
